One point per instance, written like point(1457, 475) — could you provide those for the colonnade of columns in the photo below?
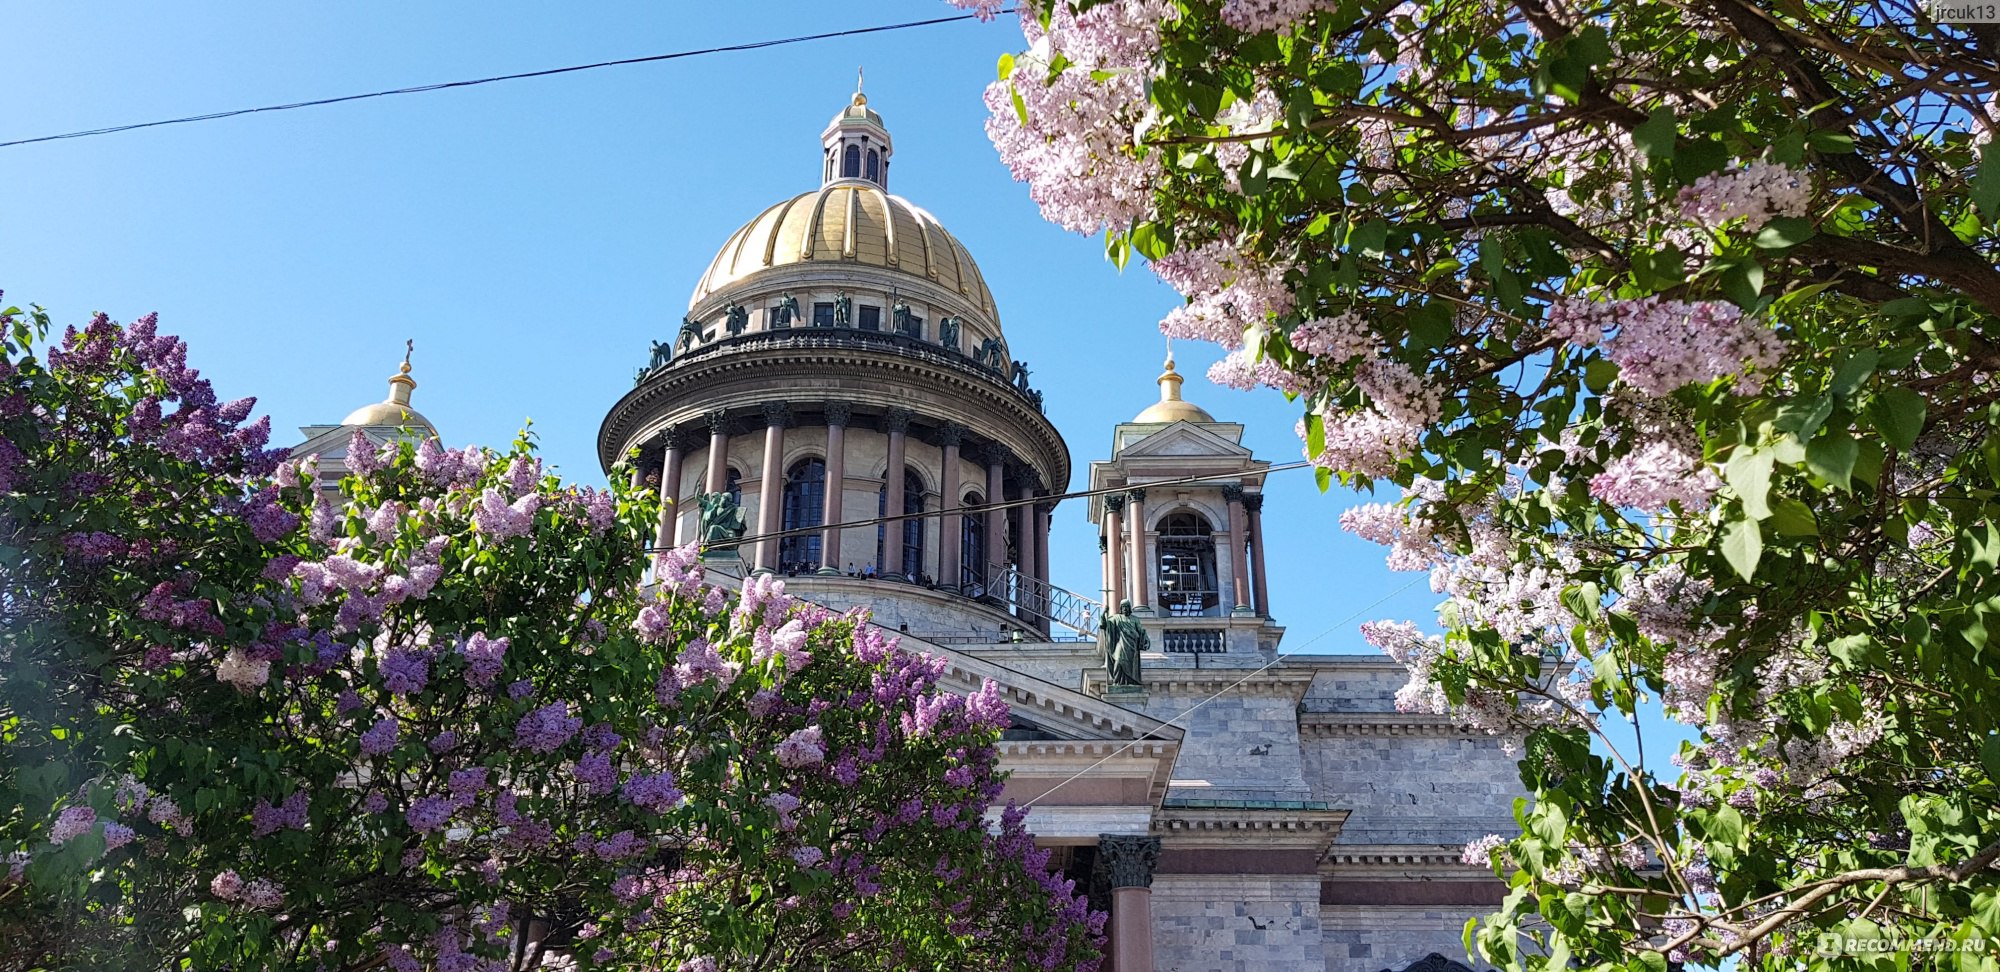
point(1128, 559)
point(1031, 556)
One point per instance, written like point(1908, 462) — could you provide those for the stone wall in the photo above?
point(1240, 746)
point(1232, 923)
point(1363, 938)
point(1414, 789)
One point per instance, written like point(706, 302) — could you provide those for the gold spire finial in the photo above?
point(859, 98)
point(401, 383)
point(1170, 381)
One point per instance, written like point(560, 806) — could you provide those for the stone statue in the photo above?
point(788, 310)
point(1120, 639)
point(1021, 376)
point(991, 355)
point(662, 353)
point(739, 318)
point(948, 332)
point(900, 314)
point(640, 378)
point(843, 310)
point(690, 334)
point(721, 520)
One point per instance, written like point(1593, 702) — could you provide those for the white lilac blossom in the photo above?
point(1661, 345)
point(1654, 476)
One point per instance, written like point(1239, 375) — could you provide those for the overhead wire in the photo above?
point(471, 82)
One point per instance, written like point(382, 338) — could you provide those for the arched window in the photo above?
point(805, 507)
point(1188, 586)
point(874, 165)
point(972, 548)
point(913, 528)
point(850, 162)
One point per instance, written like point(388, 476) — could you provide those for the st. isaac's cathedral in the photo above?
point(842, 376)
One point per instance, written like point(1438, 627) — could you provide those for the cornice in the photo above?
point(1433, 860)
point(1276, 683)
point(1266, 829)
point(1326, 724)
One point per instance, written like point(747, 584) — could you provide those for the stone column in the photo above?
point(1254, 503)
point(718, 452)
point(1128, 862)
point(1041, 521)
point(1024, 562)
point(1136, 583)
point(892, 481)
point(1114, 532)
point(1239, 535)
point(838, 414)
point(996, 515)
point(950, 531)
point(670, 489)
point(770, 502)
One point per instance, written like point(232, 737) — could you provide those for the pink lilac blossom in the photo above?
point(226, 885)
point(800, 749)
point(484, 659)
point(1258, 16)
point(405, 671)
point(1654, 476)
point(1412, 543)
point(655, 792)
point(808, 856)
point(294, 813)
point(502, 521)
point(72, 823)
point(1236, 370)
point(1342, 337)
point(429, 813)
point(116, 835)
point(546, 729)
point(1398, 392)
point(1479, 852)
point(1228, 292)
point(1364, 443)
point(1661, 345)
point(1758, 192)
point(983, 9)
point(263, 894)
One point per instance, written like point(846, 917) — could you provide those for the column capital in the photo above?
point(951, 434)
point(1128, 861)
point(1253, 501)
point(1233, 493)
point(776, 413)
point(1136, 494)
point(993, 454)
point(676, 439)
point(718, 422)
point(839, 413)
point(898, 420)
point(1114, 502)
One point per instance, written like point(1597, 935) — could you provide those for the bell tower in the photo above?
point(1188, 555)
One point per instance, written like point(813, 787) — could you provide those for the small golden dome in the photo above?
point(395, 410)
point(848, 221)
point(1170, 407)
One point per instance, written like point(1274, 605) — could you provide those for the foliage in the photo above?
point(429, 716)
point(1675, 325)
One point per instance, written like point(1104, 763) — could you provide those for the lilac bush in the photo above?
point(442, 720)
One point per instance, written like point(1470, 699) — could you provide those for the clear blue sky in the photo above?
point(534, 236)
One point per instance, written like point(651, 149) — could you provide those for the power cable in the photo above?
point(1005, 505)
point(419, 89)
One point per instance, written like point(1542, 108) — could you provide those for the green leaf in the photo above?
point(1854, 371)
point(1743, 282)
point(1985, 184)
point(1743, 546)
point(1656, 135)
point(1006, 66)
point(1749, 474)
point(1725, 827)
point(1793, 519)
point(1783, 232)
point(1598, 374)
point(1898, 413)
point(1989, 756)
point(1832, 456)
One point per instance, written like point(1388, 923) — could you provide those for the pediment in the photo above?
point(1053, 712)
point(1184, 439)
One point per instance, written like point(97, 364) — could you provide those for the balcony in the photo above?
point(850, 339)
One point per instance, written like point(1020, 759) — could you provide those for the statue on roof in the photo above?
point(662, 353)
point(690, 334)
point(948, 332)
point(1120, 639)
point(788, 310)
point(843, 310)
point(900, 315)
point(739, 318)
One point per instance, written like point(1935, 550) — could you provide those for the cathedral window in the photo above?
point(870, 317)
point(912, 529)
point(972, 548)
point(823, 314)
point(804, 507)
point(874, 166)
point(733, 485)
point(850, 162)
point(1188, 587)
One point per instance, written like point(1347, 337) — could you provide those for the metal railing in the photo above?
point(808, 336)
point(1039, 600)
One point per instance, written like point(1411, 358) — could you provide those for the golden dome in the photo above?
point(1170, 407)
point(395, 410)
point(848, 221)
